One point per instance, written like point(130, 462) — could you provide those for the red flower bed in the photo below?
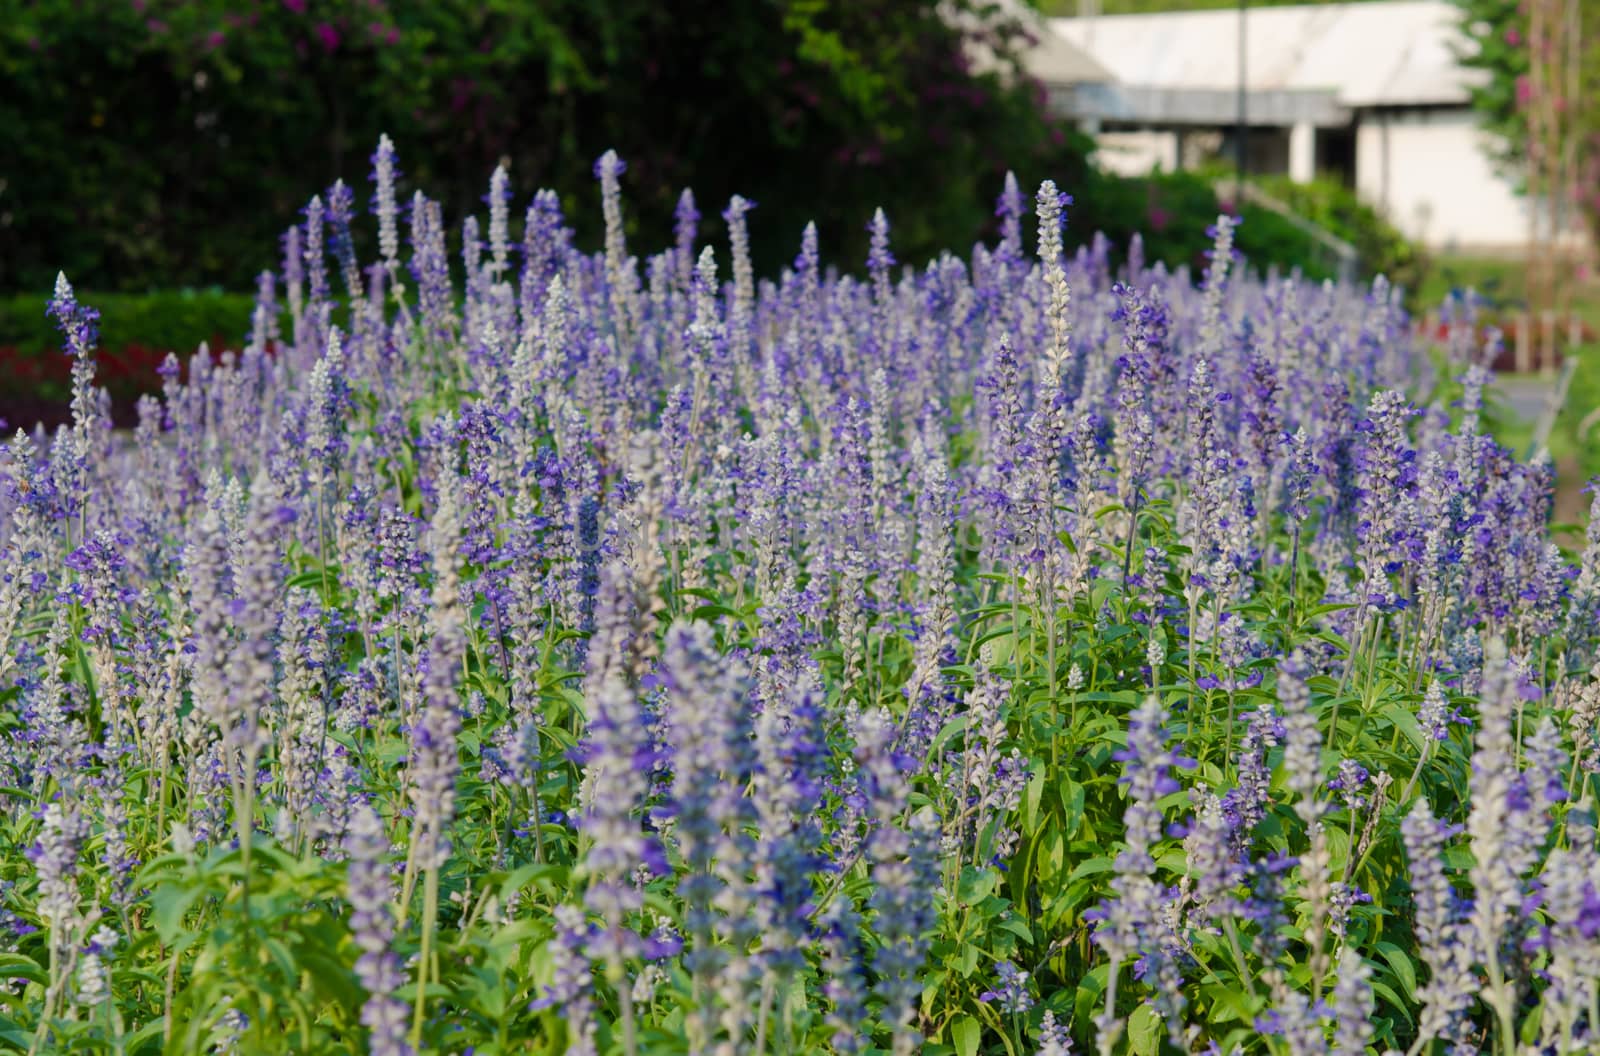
point(1510, 328)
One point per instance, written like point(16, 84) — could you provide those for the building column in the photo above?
point(1302, 152)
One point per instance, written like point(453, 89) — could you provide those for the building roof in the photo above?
point(1055, 59)
point(1381, 53)
point(1051, 57)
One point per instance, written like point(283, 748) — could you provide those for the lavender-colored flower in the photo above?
point(571, 987)
point(1010, 208)
point(1051, 206)
point(1054, 1038)
point(1386, 512)
point(79, 324)
point(94, 981)
point(1302, 744)
point(372, 925)
point(621, 277)
point(435, 761)
point(712, 760)
point(430, 267)
point(685, 228)
point(54, 855)
point(499, 199)
point(1353, 1005)
point(844, 988)
point(316, 262)
point(341, 211)
point(1010, 994)
point(1299, 477)
point(1208, 850)
point(615, 779)
point(1434, 714)
point(1220, 258)
point(1349, 780)
point(1135, 924)
point(1246, 803)
point(385, 173)
point(1442, 939)
point(988, 779)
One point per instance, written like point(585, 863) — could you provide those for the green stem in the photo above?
point(762, 1015)
point(430, 914)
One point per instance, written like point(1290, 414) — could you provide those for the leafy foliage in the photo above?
point(1337, 209)
point(1502, 47)
point(131, 132)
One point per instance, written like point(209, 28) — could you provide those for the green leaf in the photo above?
point(1091, 867)
point(1030, 801)
point(1404, 970)
point(1017, 928)
point(1406, 722)
point(171, 902)
point(966, 1032)
point(711, 613)
point(946, 732)
point(16, 966)
point(1530, 1026)
point(1071, 806)
point(977, 884)
point(1384, 991)
point(1144, 1031)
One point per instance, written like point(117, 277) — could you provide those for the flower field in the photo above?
point(552, 652)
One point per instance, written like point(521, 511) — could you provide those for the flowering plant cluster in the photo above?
point(553, 652)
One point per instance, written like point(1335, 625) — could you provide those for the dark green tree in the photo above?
point(148, 143)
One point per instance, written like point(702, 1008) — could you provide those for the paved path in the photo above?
point(1525, 395)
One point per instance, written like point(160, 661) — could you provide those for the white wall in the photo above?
point(1429, 171)
point(1136, 153)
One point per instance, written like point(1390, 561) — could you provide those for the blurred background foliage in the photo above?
point(146, 143)
point(1527, 116)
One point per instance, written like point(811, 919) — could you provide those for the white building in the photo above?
point(1370, 94)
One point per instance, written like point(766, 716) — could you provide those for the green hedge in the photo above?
point(1172, 212)
point(1336, 209)
point(168, 319)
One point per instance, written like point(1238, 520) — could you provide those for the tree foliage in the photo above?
point(130, 130)
point(1540, 97)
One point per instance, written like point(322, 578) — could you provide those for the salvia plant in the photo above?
point(533, 651)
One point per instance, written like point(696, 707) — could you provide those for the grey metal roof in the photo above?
point(1052, 58)
point(1385, 53)
point(1055, 59)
